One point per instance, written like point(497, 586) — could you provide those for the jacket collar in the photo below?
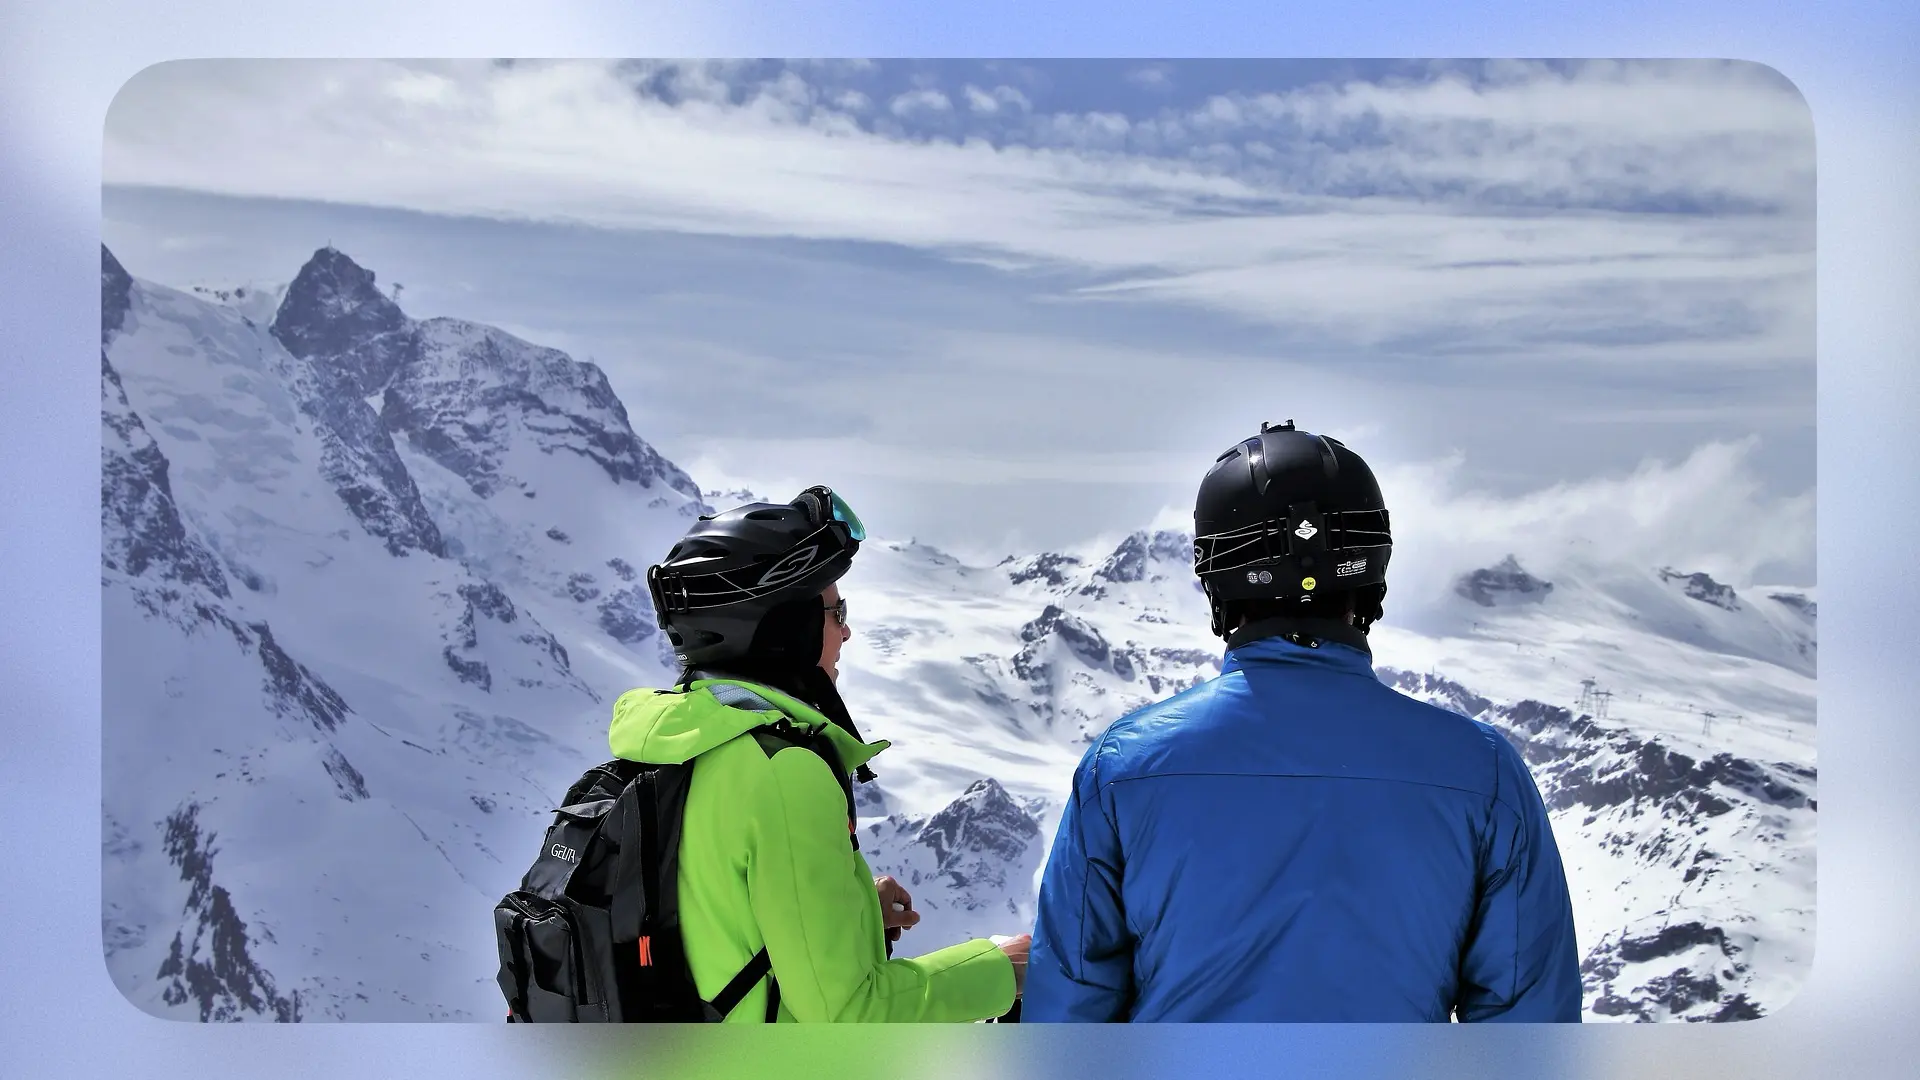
point(1288, 639)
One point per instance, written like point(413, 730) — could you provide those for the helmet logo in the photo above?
point(791, 565)
point(1259, 577)
point(1308, 584)
point(1305, 531)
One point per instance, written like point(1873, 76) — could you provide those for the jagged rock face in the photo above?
point(360, 461)
point(1703, 588)
point(1131, 561)
point(353, 340)
point(1700, 962)
point(209, 965)
point(116, 295)
point(294, 689)
point(1797, 602)
point(474, 389)
point(141, 533)
point(1081, 638)
point(627, 616)
point(1049, 567)
point(482, 610)
point(982, 823)
point(970, 866)
point(1502, 583)
point(1631, 808)
point(335, 314)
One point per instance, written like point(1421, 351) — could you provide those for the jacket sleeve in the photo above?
point(820, 917)
point(1521, 964)
point(1081, 967)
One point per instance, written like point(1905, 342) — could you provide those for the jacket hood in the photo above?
point(672, 726)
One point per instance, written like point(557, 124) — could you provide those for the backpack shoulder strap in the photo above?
point(776, 737)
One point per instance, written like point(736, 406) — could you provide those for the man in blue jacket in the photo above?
point(1294, 840)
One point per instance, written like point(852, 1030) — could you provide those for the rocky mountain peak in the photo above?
point(334, 309)
point(1132, 559)
point(1504, 582)
point(1703, 588)
point(984, 820)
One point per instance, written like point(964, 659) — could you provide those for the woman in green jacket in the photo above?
point(768, 857)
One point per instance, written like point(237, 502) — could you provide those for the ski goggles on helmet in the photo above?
point(824, 507)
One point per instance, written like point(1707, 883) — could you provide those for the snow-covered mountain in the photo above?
point(370, 584)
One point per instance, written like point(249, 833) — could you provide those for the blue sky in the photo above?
point(1054, 290)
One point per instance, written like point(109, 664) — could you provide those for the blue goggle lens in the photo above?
point(845, 515)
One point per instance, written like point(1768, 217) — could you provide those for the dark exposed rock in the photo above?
point(983, 821)
point(210, 964)
point(141, 531)
point(487, 599)
point(475, 389)
point(347, 781)
point(627, 615)
point(1081, 638)
point(289, 682)
point(334, 314)
point(1703, 588)
point(1797, 602)
point(1049, 567)
point(1132, 559)
point(1505, 582)
point(581, 587)
point(1197, 657)
point(472, 672)
point(116, 295)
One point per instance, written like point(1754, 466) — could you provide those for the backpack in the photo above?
point(592, 935)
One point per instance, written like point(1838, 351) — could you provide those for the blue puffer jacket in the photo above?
point(1294, 841)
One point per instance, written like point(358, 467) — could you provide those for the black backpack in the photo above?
point(593, 933)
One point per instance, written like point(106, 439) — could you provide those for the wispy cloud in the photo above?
point(1152, 77)
point(919, 101)
point(1608, 207)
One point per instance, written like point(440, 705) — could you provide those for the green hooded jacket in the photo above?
point(765, 860)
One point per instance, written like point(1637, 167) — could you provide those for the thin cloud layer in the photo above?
point(1508, 208)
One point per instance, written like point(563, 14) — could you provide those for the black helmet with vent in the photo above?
point(723, 577)
point(1290, 516)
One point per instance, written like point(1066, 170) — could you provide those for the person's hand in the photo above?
point(1016, 949)
point(896, 907)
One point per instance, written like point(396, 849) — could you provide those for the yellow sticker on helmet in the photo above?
point(1308, 584)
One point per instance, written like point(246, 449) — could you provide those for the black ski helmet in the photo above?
point(723, 577)
point(1290, 515)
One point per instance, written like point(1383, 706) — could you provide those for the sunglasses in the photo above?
point(839, 611)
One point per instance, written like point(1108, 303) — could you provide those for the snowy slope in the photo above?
point(371, 583)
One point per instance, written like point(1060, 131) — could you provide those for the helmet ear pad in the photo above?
point(791, 634)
